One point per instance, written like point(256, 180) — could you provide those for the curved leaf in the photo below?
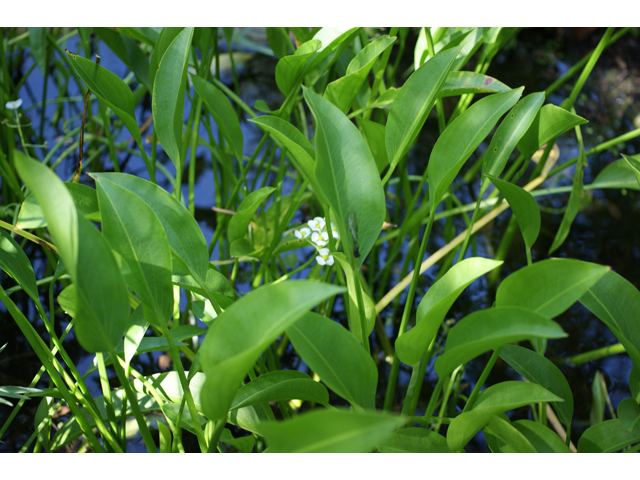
point(507, 433)
point(245, 329)
point(460, 83)
point(348, 176)
point(543, 439)
point(240, 221)
point(414, 440)
point(489, 329)
point(338, 359)
point(549, 287)
point(160, 46)
point(435, 305)
point(328, 431)
point(618, 174)
point(15, 263)
point(607, 437)
point(289, 69)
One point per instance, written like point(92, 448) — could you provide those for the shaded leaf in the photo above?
point(414, 440)
point(607, 437)
point(240, 221)
point(618, 174)
point(15, 263)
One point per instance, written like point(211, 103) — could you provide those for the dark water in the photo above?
point(605, 232)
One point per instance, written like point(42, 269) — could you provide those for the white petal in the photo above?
point(298, 234)
point(14, 105)
point(330, 260)
point(320, 260)
point(324, 252)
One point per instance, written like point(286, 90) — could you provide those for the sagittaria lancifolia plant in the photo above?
point(123, 253)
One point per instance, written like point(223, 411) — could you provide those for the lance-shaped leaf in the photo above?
point(629, 413)
point(413, 104)
point(550, 122)
point(435, 305)
point(134, 335)
point(616, 302)
point(244, 330)
point(128, 51)
point(414, 440)
point(160, 46)
point(507, 433)
point(536, 368)
point(135, 232)
point(460, 139)
point(549, 287)
point(510, 131)
point(489, 329)
point(168, 95)
point(109, 88)
point(223, 113)
point(373, 133)
point(634, 164)
point(15, 263)
point(607, 437)
point(38, 42)
point(543, 439)
point(280, 385)
point(329, 431)
point(240, 221)
point(84, 198)
point(525, 208)
point(347, 174)
point(618, 174)
point(338, 359)
point(342, 92)
point(289, 69)
point(460, 83)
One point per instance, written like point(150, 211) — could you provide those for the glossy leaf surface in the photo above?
point(84, 198)
point(460, 83)
point(607, 437)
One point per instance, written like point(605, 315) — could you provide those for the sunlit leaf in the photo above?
point(240, 221)
point(414, 440)
point(607, 437)
point(460, 83)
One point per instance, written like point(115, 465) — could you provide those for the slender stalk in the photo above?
point(483, 378)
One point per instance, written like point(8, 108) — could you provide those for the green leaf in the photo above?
point(280, 385)
point(634, 163)
point(136, 330)
point(223, 113)
point(240, 221)
point(38, 42)
point(278, 41)
point(460, 83)
point(537, 369)
point(435, 305)
point(289, 69)
point(168, 95)
point(629, 413)
point(242, 444)
point(338, 359)
point(161, 44)
point(616, 302)
point(413, 104)
point(525, 208)
point(540, 437)
point(414, 440)
point(607, 437)
point(348, 177)
point(460, 139)
point(634, 383)
point(374, 134)
point(168, 385)
point(128, 51)
point(342, 92)
point(245, 329)
point(550, 122)
point(489, 329)
point(617, 174)
point(329, 431)
point(134, 231)
point(510, 435)
point(15, 263)
point(549, 287)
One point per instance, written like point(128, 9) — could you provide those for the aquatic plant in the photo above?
point(133, 272)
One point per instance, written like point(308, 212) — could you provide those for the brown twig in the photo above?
point(84, 119)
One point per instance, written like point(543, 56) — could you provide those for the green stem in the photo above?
point(483, 378)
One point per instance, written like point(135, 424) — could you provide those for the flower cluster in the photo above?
point(320, 237)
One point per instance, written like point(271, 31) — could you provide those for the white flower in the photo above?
point(324, 258)
point(334, 231)
point(14, 105)
point(320, 239)
point(317, 224)
point(302, 233)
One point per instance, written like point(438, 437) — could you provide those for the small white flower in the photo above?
point(317, 224)
point(14, 105)
point(302, 233)
point(320, 239)
point(334, 231)
point(324, 258)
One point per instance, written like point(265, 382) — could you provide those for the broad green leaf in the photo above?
point(148, 35)
point(348, 176)
point(536, 368)
point(168, 385)
point(618, 174)
point(335, 41)
point(507, 433)
point(161, 44)
point(168, 95)
point(616, 302)
point(338, 359)
point(103, 304)
point(329, 431)
point(185, 237)
point(279, 42)
point(525, 208)
point(550, 122)
point(38, 42)
point(549, 287)
point(414, 440)
point(128, 51)
point(435, 305)
point(373, 133)
point(242, 248)
point(510, 131)
point(543, 439)
point(607, 437)
point(342, 92)
point(111, 90)
point(223, 113)
point(495, 400)
point(68, 300)
point(634, 163)
point(242, 444)
point(240, 221)
point(134, 231)
point(84, 198)
point(15, 263)
point(352, 302)
point(280, 385)
point(460, 139)
point(245, 329)
point(629, 413)
point(634, 383)
point(489, 329)
point(460, 83)
point(289, 69)
point(413, 104)
point(136, 330)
